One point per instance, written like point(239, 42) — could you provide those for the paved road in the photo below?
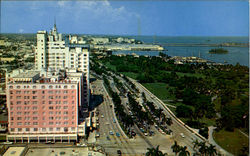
point(136, 146)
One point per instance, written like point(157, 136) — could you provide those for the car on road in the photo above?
point(118, 134)
point(142, 130)
point(182, 135)
point(119, 152)
point(146, 134)
point(108, 138)
point(49, 142)
point(102, 116)
point(97, 135)
point(114, 120)
point(8, 143)
point(111, 133)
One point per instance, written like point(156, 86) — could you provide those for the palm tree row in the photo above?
point(202, 149)
point(180, 149)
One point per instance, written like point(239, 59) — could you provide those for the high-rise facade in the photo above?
point(55, 52)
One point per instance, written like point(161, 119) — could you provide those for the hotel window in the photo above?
point(35, 123)
point(73, 112)
point(43, 87)
point(72, 128)
point(66, 112)
point(65, 87)
point(65, 118)
point(12, 129)
point(11, 97)
point(50, 129)
point(35, 102)
point(11, 92)
point(12, 118)
point(50, 87)
point(26, 97)
point(65, 97)
point(19, 123)
point(10, 87)
point(18, 102)
point(73, 123)
point(34, 92)
point(34, 108)
point(34, 87)
point(19, 108)
point(50, 97)
point(73, 97)
point(35, 113)
point(19, 118)
point(50, 102)
point(51, 118)
point(65, 92)
point(18, 92)
point(50, 92)
point(18, 87)
point(35, 129)
point(50, 123)
point(65, 107)
point(34, 97)
point(19, 129)
point(65, 123)
point(58, 129)
point(65, 102)
point(19, 113)
point(27, 129)
point(50, 113)
point(44, 129)
point(43, 102)
point(35, 118)
point(18, 97)
point(50, 107)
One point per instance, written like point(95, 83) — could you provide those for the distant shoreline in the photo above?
point(204, 45)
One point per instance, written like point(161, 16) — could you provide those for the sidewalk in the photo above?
point(211, 141)
point(91, 138)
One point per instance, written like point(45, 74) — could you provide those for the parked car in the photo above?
point(118, 134)
point(111, 133)
point(182, 135)
point(119, 152)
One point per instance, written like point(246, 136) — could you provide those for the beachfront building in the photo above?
point(55, 52)
point(44, 106)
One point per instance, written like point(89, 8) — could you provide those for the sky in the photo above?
point(160, 18)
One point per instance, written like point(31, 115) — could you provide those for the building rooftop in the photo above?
point(29, 74)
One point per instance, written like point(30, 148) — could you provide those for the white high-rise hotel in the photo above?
point(53, 53)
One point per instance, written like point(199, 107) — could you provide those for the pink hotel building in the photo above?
point(44, 108)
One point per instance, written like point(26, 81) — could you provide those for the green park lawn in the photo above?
point(231, 141)
point(159, 89)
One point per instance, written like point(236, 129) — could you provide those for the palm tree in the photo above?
point(211, 150)
point(203, 148)
point(175, 148)
point(155, 152)
point(184, 151)
point(196, 144)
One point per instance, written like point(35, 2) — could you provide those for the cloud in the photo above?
point(20, 30)
point(101, 10)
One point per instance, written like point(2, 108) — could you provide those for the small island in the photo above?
point(218, 51)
